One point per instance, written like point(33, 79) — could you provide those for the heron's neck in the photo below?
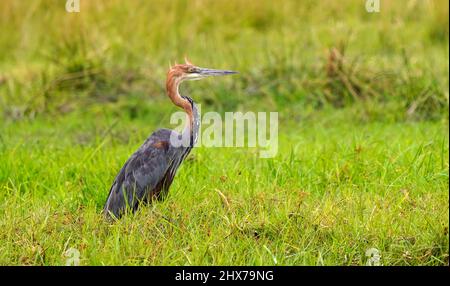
point(172, 86)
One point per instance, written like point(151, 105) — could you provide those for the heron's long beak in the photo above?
point(204, 72)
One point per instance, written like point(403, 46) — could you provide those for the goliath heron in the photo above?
point(149, 172)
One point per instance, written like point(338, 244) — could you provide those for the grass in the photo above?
point(324, 200)
point(363, 138)
point(289, 53)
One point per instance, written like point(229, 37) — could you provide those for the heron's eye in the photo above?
point(191, 70)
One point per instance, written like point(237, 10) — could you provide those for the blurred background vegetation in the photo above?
point(293, 56)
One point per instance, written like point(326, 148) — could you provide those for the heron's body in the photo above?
point(149, 172)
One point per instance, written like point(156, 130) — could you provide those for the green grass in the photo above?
point(363, 102)
point(54, 62)
point(336, 189)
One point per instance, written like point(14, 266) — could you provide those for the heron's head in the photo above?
point(188, 71)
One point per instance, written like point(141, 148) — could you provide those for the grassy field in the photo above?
point(363, 103)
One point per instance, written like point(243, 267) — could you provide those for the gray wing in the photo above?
point(143, 174)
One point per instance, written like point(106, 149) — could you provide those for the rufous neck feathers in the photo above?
point(172, 87)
